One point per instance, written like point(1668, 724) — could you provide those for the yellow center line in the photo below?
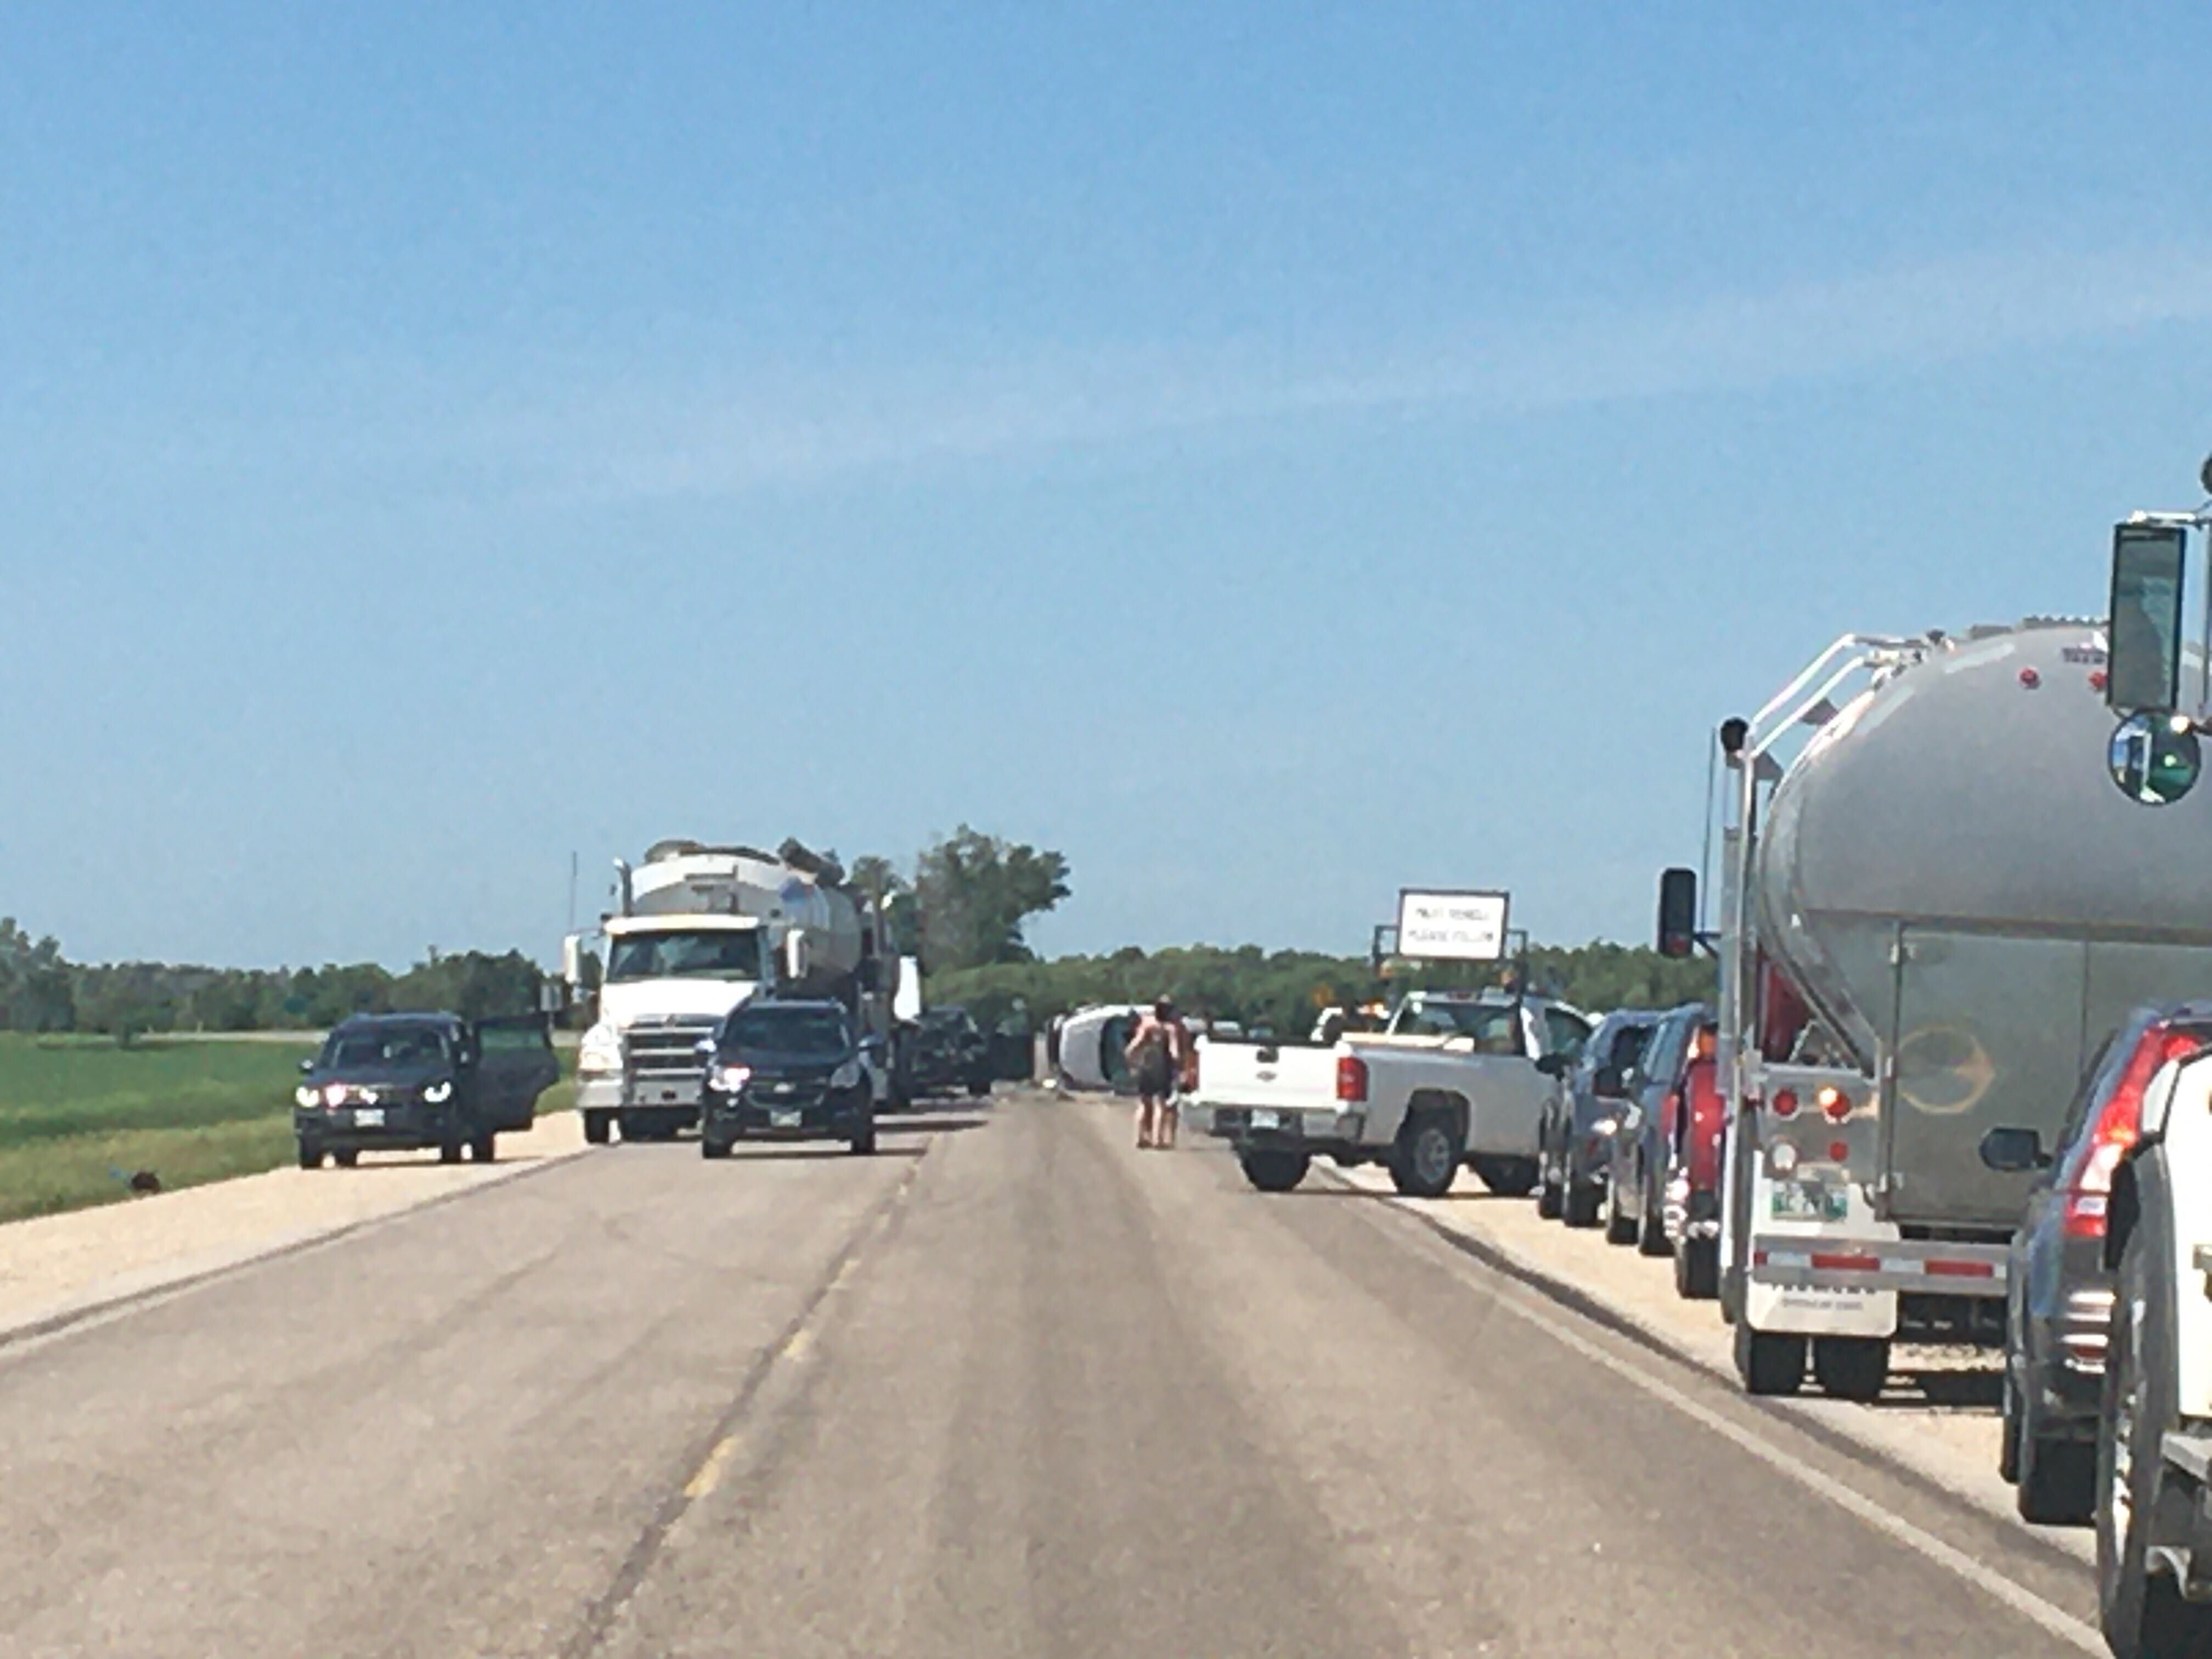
point(710, 1472)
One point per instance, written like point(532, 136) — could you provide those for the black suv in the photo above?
point(950, 1054)
point(787, 1070)
point(2060, 1287)
point(403, 1081)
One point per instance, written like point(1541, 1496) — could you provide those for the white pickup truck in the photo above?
point(2154, 1438)
point(1452, 1080)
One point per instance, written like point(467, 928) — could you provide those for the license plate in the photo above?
point(785, 1120)
point(1266, 1119)
point(1796, 1202)
point(368, 1117)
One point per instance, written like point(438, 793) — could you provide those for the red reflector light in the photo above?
point(1959, 1269)
point(1351, 1078)
point(1837, 1152)
point(1785, 1102)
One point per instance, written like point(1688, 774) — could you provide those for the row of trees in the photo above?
point(1284, 989)
point(40, 990)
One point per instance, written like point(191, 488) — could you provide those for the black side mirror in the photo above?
point(1555, 1064)
point(2144, 630)
point(2012, 1151)
point(1677, 913)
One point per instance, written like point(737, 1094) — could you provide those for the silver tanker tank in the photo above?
point(1951, 880)
point(791, 888)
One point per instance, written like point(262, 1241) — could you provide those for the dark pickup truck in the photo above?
point(405, 1082)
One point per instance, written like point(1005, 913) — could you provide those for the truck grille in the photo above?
point(671, 1050)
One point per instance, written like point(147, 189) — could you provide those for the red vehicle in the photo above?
point(1693, 1130)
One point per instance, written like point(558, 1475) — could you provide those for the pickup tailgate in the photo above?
point(1287, 1076)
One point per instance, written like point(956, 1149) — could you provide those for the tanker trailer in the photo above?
point(700, 929)
point(1932, 915)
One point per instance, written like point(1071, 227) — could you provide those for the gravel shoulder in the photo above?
point(1938, 1417)
point(56, 1269)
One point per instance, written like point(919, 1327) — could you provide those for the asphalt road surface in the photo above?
point(1009, 1388)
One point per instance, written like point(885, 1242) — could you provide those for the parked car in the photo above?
point(788, 1071)
point(950, 1054)
point(1693, 1176)
point(1572, 1151)
point(408, 1082)
point(1643, 1143)
point(2058, 1284)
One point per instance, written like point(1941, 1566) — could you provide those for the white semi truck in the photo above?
point(1932, 912)
point(696, 930)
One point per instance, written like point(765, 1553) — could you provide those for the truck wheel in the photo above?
point(1509, 1177)
point(1549, 1200)
point(709, 1147)
point(1620, 1228)
point(1272, 1170)
point(311, 1156)
point(1651, 1228)
point(1697, 1269)
point(598, 1127)
point(1426, 1157)
point(863, 1145)
point(450, 1152)
point(2143, 1615)
point(346, 1159)
point(2009, 1442)
point(1578, 1202)
point(1851, 1367)
point(978, 1087)
point(485, 1148)
point(1769, 1362)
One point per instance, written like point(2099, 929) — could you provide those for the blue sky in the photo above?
point(1273, 454)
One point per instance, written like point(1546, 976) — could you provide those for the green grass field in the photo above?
point(76, 1111)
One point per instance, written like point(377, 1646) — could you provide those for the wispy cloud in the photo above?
point(794, 429)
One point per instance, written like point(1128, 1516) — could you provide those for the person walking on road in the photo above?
point(1159, 1052)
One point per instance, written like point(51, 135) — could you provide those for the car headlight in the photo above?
point(600, 1050)
point(308, 1096)
point(439, 1092)
point(729, 1080)
point(847, 1076)
point(1605, 1126)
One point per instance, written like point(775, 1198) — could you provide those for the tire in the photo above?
point(311, 1156)
point(1509, 1177)
point(1578, 1203)
point(2143, 1615)
point(1426, 1158)
point(1770, 1362)
point(1272, 1169)
point(598, 1128)
point(348, 1159)
point(978, 1088)
point(711, 1148)
point(863, 1145)
point(1851, 1367)
point(2009, 1444)
point(1550, 1199)
point(450, 1152)
point(1651, 1229)
point(485, 1148)
point(1620, 1228)
point(1697, 1269)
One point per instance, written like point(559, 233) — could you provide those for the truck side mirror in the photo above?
point(1677, 913)
point(2143, 632)
point(1555, 1064)
point(2012, 1151)
point(2155, 759)
point(798, 955)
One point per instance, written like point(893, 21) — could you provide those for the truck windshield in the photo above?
point(715, 953)
point(395, 1046)
point(787, 1030)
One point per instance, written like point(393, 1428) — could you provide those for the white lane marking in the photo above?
point(2021, 1599)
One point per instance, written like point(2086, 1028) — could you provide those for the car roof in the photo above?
point(811, 1004)
point(384, 1022)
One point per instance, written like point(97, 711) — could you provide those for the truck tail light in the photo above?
point(2119, 1122)
point(1785, 1102)
point(1351, 1078)
point(1835, 1104)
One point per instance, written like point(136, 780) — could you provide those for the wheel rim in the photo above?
point(1432, 1159)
